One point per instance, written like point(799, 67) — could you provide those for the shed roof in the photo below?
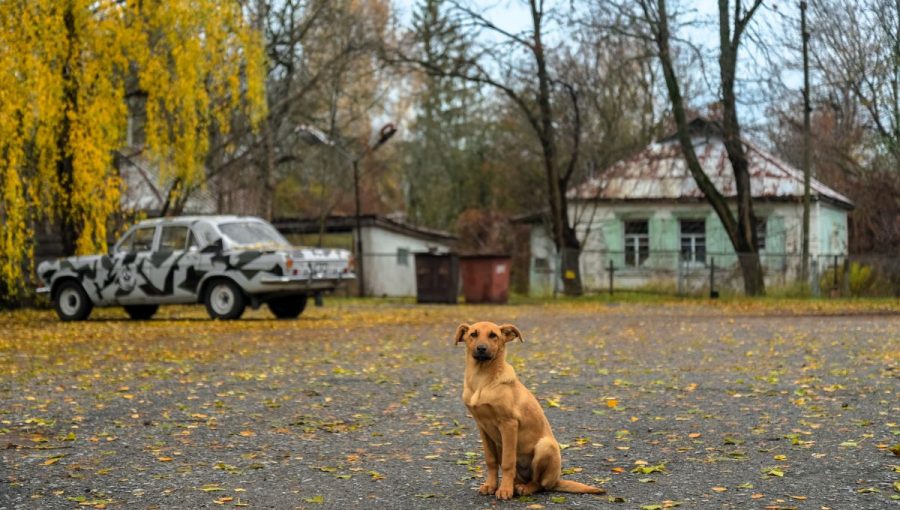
point(659, 172)
point(348, 224)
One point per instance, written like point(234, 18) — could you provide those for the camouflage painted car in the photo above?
point(225, 262)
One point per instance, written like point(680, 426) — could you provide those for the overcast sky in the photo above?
point(513, 16)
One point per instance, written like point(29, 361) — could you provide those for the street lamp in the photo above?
point(315, 137)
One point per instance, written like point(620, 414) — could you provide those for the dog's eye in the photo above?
point(474, 334)
point(493, 335)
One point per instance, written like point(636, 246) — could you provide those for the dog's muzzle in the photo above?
point(481, 353)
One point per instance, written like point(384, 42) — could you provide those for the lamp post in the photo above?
point(315, 136)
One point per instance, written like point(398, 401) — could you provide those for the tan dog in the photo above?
point(514, 430)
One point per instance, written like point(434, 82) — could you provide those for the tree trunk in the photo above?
point(68, 230)
point(745, 240)
point(741, 230)
point(564, 237)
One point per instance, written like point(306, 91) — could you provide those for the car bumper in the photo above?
point(311, 283)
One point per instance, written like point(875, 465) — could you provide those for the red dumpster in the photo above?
point(485, 278)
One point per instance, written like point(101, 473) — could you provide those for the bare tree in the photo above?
point(855, 124)
point(529, 84)
point(733, 20)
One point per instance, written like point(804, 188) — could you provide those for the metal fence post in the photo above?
point(611, 271)
point(834, 287)
point(814, 273)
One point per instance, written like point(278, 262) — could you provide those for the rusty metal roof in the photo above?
point(659, 172)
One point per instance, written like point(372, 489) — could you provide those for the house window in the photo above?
point(402, 257)
point(760, 234)
point(693, 241)
point(637, 243)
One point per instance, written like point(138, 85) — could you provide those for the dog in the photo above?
point(515, 434)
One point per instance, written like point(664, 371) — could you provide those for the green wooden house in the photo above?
point(647, 217)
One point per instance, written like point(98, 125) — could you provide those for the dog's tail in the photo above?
point(577, 487)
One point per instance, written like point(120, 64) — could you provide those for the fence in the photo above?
point(672, 272)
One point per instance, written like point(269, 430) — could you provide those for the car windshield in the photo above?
point(253, 234)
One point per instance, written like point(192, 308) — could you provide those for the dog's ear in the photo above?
point(461, 331)
point(510, 333)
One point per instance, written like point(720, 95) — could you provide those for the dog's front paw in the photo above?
point(504, 493)
point(523, 489)
point(487, 488)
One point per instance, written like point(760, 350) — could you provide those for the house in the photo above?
point(389, 246)
point(646, 216)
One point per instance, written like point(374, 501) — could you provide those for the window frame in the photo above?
point(762, 229)
point(692, 255)
point(636, 244)
point(403, 257)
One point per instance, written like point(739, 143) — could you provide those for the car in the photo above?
point(224, 262)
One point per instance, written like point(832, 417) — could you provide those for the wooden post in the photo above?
point(804, 248)
point(713, 293)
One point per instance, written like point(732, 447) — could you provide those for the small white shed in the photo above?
point(388, 245)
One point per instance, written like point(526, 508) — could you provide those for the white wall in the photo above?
point(385, 275)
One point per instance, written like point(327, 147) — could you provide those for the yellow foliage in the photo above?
point(64, 69)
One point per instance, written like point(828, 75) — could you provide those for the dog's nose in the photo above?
point(481, 349)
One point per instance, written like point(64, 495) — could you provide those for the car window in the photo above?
point(253, 233)
point(125, 243)
point(173, 238)
point(204, 233)
point(143, 239)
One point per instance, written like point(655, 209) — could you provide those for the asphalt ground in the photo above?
point(357, 404)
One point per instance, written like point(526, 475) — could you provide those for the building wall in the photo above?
point(603, 241)
point(387, 271)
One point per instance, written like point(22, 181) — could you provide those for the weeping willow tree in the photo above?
point(66, 70)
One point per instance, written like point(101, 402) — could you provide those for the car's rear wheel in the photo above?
point(141, 312)
point(72, 302)
point(224, 300)
point(288, 307)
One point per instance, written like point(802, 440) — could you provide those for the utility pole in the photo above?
point(361, 275)
point(804, 251)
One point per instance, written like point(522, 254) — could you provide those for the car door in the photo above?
point(133, 284)
point(172, 261)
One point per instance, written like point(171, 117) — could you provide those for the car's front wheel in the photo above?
point(141, 312)
point(288, 307)
point(224, 300)
point(72, 302)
